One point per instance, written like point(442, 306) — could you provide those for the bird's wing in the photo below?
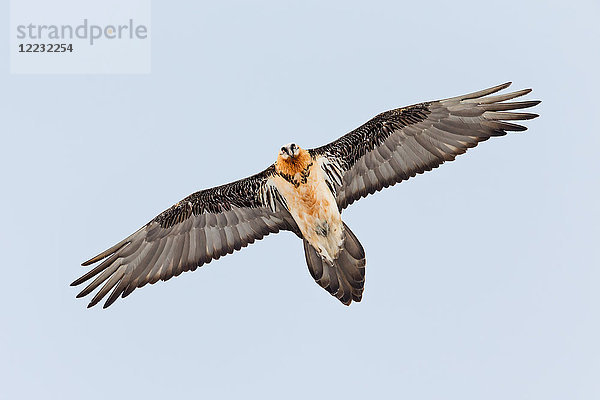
point(202, 227)
point(398, 144)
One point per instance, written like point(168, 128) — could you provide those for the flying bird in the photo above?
point(304, 192)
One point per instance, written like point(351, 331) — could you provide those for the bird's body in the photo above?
point(311, 203)
point(304, 192)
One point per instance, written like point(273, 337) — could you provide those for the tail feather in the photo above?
point(345, 278)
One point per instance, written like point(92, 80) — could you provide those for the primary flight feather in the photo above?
point(305, 191)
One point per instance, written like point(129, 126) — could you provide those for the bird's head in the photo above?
point(292, 159)
point(288, 151)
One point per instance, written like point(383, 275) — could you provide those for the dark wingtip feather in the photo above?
point(98, 297)
point(94, 259)
point(515, 105)
point(484, 92)
point(111, 250)
point(109, 302)
point(526, 91)
point(88, 289)
point(513, 127)
point(503, 126)
point(117, 291)
point(95, 271)
point(508, 116)
point(80, 280)
point(502, 86)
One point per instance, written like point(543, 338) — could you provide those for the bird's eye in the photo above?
point(283, 149)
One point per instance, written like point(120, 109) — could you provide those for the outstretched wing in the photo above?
point(202, 227)
point(398, 144)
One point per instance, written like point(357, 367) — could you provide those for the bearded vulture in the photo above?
point(305, 191)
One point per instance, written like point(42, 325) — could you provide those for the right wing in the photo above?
point(202, 227)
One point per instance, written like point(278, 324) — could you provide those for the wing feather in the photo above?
point(401, 143)
point(202, 227)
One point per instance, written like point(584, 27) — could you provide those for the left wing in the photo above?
point(398, 144)
point(202, 227)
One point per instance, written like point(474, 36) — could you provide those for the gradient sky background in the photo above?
point(482, 276)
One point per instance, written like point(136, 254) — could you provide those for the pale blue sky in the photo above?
point(482, 276)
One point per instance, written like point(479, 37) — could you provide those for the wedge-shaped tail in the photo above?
point(345, 279)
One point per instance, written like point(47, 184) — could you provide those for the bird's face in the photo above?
point(289, 150)
point(292, 159)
